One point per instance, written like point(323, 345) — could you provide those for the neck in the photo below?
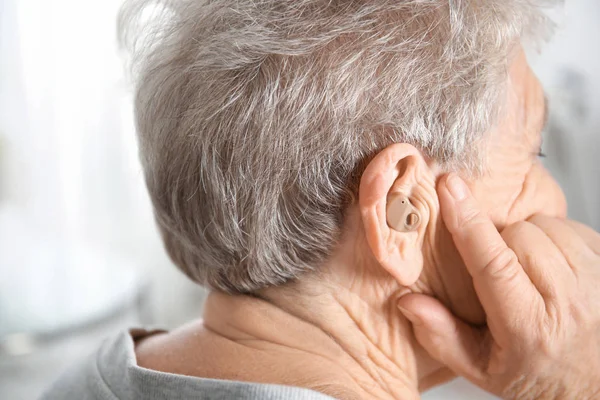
point(337, 343)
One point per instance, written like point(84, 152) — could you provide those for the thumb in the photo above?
point(447, 339)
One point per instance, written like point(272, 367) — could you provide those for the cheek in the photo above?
point(540, 194)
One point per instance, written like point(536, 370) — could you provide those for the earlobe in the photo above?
point(390, 219)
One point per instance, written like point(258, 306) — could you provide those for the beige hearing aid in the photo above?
point(402, 216)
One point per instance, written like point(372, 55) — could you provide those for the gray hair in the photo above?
point(256, 118)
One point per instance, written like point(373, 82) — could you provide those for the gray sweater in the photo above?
point(112, 373)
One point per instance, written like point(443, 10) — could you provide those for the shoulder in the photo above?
point(101, 374)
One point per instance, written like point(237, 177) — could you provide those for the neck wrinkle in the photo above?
point(331, 330)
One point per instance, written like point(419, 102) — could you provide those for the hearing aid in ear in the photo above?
point(402, 216)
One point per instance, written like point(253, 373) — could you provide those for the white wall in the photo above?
point(573, 153)
point(70, 180)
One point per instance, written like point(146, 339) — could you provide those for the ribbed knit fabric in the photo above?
point(112, 373)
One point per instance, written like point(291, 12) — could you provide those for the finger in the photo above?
point(589, 236)
point(499, 280)
point(446, 338)
point(573, 247)
point(544, 264)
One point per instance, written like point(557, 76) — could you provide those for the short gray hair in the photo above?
point(256, 118)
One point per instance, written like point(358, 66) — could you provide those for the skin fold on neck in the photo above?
point(348, 341)
point(342, 349)
point(339, 346)
point(338, 333)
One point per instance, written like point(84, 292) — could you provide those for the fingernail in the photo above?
point(457, 187)
point(408, 314)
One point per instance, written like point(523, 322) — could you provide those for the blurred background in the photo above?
point(79, 253)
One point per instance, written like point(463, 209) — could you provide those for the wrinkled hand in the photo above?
point(539, 284)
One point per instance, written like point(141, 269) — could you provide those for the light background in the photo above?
point(77, 239)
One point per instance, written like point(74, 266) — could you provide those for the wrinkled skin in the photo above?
point(538, 283)
point(339, 330)
point(514, 187)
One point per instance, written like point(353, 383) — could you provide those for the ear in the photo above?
point(395, 171)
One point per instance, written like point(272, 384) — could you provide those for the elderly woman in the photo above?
point(291, 149)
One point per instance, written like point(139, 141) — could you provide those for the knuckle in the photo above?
point(514, 231)
point(503, 265)
point(468, 217)
point(535, 261)
point(584, 313)
point(538, 219)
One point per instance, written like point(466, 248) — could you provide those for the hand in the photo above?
point(539, 284)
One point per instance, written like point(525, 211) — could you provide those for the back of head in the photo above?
point(257, 118)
